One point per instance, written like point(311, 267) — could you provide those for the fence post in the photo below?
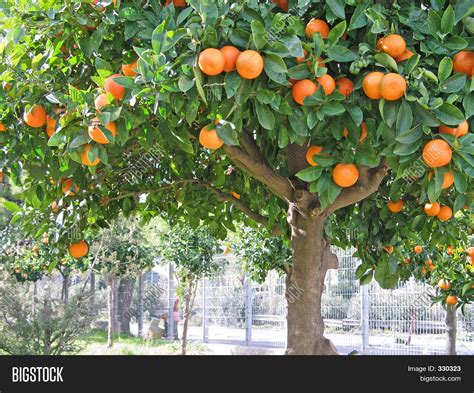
point(248, 311)
point(364, 317)
point(170, 301)
point(205, 328)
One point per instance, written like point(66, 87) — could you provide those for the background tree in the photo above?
point(320, 125)
point(193, 252)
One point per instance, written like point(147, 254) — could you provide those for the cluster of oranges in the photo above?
point(249, 63)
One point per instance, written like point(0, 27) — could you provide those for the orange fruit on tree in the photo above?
point(85, 157)
point(101, 101)
point(450, 250)
point(460, 130)
point(317, 26)
point(113, 88)
point(392, 86)
point(97, 134)
point(394, 45)
point(432, 209)
point(444, 284)
point(311, 152)
point(176, 3)
point(230, 53)
point(249, 64)
point(345, 86)
point(211, 61)
point(54, 207)
point(429, 262)
point(418, 249)
point(371, 84)
point(445, 213)
point(379, 43)
point(130, 69)
point(283, 4)
point(235, 195)
point(470, 251)
point(404, 56)
point(327, 82)
point(437, 153)
point(423, 270)
point(79, 249)
point(448, 179)
point(389, 249)
point(432, 267)
point(1, 176)
point(395, 206)
point(363, 132)
point(452, 300)
point(69, 188)
point(345, 175)
point(463, 62)
point(50, 126)
point(2, 128)
point(302, 89)
point(208, 138)
point(35, 117)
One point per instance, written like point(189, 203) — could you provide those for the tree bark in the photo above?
point(110, 305)
point(124, 302)
point(451, 330)
point(305, 281)
point(187, 315)
point(65, 290)
point(140, 305)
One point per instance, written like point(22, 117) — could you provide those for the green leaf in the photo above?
point(448, 114)
point(265, 116)
point(78, 141)
point(468, 104)
point(337, 32)
point(341, 54)
point(359, 19)
point(386, 61)
point(404, 117)
point(275, 64)
point(384, 276)
point(185, 83)
point(301, 71)
point(337, 7)
point(228, 133)
point(11, 206)
point(158, 37)
point(445, 68)
point(410, 135)
point(333, 108)
point(258, 34)
point(453, 84)
point(462, 9)
point(310, 174)
point(447, 20)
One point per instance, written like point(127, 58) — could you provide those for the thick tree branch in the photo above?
point(258, 169)
point(296, 156)
point(369, 182)
point(220, 195)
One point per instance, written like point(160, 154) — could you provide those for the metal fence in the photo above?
point(370, 320)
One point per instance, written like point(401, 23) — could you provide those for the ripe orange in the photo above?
point(176, 3)
point(448, 179)
point(130, 69)
point(2, 128)
point(363, 132)
point(35, 117)
point(113, 88)
point(208, 138)
point(311, 152)
point(445, 213)
point(470, 251)
point(85, 157)
point(463, 62)
point(211, 61)
point(101, 101)
point(69, 188)
point(1, 176)
point(302, 89)
point(230, 53)
point(460, 130)
point(450, 250)
point(404, 56)
point(437, 153)
point(371, 85)
point(50, 126)
point(235, 195)
point(452, 300)
point(392, 86)
point(345, 86)
point(389, 249)
point(444, 284)
point(317, 26)
point(79, 249)
point(394, 45)
point(249, 64)
point(423, 270)
point(429, 262)
point(432, 209)
point(379, 43)
point(327, 82)
point(96, 133)
point(345, 175)
point(283, 4)
point(432, 267)
point(418, 249)
point(396, 206)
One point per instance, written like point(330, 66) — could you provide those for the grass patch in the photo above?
point(100, 337)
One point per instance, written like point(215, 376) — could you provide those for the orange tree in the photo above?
point(306, 117)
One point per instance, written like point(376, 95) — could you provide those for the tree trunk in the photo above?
point(451, 330)
point(110, 304)
point(124, 303)
point(47, 311)
point(305, 283)
point(92, 293)
point(187, 315)
point(65, 290)
point(140, 305)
